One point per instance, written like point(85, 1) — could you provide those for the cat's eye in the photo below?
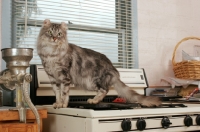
point(49, 32)
point(59, 34)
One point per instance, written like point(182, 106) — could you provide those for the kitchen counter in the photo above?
point(9, 120)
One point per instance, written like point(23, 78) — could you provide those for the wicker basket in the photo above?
point(186, 69)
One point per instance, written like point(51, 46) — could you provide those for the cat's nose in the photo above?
point(54, 38)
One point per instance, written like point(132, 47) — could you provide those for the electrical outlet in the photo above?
point(196, 50)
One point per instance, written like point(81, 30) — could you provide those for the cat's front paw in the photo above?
point(57, 105)
point(64, 105)
point(92, 101)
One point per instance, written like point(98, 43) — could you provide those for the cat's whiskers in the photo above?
point(67, 63)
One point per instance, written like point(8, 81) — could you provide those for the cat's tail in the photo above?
point(133, 97)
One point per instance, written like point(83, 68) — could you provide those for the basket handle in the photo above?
point(184, 39)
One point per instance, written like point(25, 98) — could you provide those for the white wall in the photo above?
point(161, 24)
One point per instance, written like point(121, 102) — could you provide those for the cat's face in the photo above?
point(55, 33)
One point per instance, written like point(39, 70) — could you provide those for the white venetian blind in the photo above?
point(101, 25)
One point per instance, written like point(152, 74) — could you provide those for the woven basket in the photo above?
point(186, 69)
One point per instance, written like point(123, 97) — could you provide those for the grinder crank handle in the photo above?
point(27, 79)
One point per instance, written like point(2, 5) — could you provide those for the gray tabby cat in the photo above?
point(67, 64)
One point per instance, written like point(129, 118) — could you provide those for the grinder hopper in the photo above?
point(15, 77)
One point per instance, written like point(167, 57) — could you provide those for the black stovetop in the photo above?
point(117, 106)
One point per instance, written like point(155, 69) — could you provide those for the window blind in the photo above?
point(102, 25)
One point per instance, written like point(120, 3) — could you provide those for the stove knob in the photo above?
point(188, 121)
point(141, 124)
point(198, 120)
point(165, 122)
point(126, 125)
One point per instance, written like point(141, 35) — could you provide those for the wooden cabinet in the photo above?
point(18, 127)
point(9, 121)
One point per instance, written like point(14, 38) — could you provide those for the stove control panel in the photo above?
point(131, 77)
point(134, 78)
point(160, 122)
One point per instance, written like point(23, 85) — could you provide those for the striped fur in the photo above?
point(67, 63)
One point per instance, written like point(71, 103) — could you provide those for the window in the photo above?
point(102, 25)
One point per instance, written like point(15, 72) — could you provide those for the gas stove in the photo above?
point(110, 115)
point(136, 119)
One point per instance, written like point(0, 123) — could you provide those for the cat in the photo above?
point(67, 64)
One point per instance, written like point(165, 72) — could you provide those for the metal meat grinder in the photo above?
point(15, 78)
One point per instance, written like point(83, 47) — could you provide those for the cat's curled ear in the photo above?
point(46, 23)
point(64, 26)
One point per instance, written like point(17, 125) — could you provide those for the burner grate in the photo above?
point(85, 98)
point(117, 106)
point(102, 105)
point(166, 106)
